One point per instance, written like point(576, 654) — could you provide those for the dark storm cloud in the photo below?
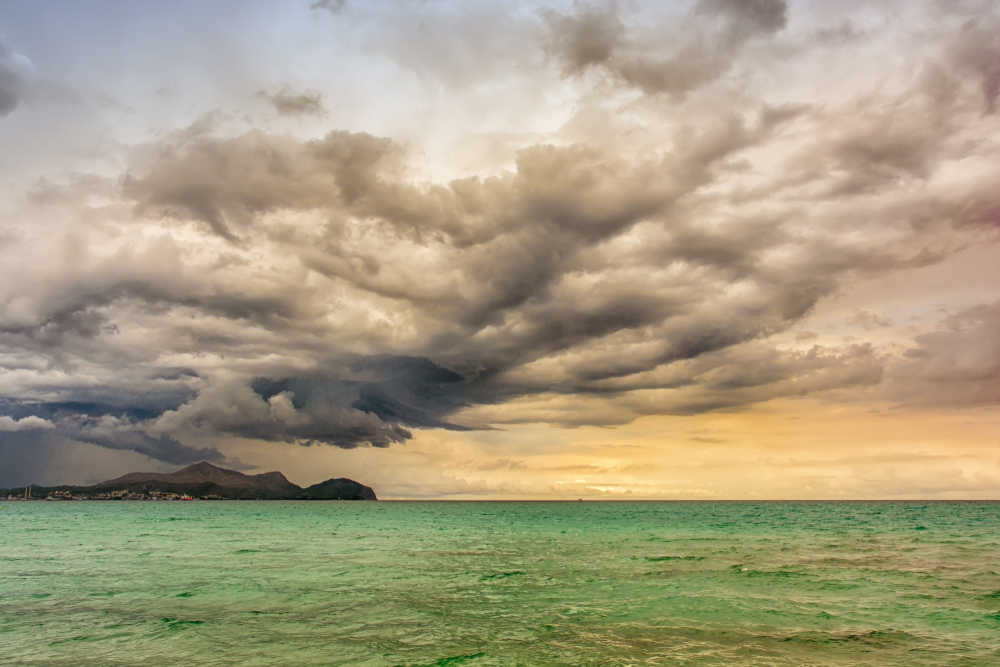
point(113, 433)
point(540, 295)
point(358, 400)
point(104, 430)
point(351, 401)
point(69, 314)
point(49, 459)
point(117, 419)
point(700, 52)
point(27, 456)
point(410, 391)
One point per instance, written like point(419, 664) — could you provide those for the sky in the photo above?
point(710, 249)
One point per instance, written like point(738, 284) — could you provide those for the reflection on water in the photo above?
point(382, 584)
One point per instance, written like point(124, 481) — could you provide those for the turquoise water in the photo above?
point(476, 584)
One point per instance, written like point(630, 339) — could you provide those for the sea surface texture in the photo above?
point(499, 583)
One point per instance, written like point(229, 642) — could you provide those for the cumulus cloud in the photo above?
point(31, 422)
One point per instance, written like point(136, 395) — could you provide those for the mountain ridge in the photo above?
point(204, 480)
point(205, 472)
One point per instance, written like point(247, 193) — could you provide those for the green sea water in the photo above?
point(499, 583)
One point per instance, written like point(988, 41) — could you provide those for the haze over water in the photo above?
point(487, 583)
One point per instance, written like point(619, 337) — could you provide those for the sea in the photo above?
point(382, 584)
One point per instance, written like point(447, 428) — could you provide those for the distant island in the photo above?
point(202, 481)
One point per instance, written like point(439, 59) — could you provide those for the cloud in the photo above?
point(117, 427)
point(113, 432)
point(358, 400)
point(976, 53)
point(584, 39)
point(228, 183)
point(44, 457)
point(233, 283)
point(579, 273)
point(957, 364)
point(288, 103)
point(747, 17)
point(9, 425)
point(502, 464)
point(15, 73)
point(699, 52)
point(362, 401)
point(333, 6)
point(867, 320)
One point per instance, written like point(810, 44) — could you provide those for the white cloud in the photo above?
point(28, 423)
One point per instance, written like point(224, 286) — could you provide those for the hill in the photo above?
point(205, 474)
point(338, 489)
point(204, 480)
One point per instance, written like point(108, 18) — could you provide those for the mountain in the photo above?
point(202, 480)
point(338, 489)
point(206, 473)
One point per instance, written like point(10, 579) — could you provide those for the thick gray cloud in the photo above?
point(119, 425)
point(116, 433)
point(357, 400)
point(235, 281)
point(700, 51)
